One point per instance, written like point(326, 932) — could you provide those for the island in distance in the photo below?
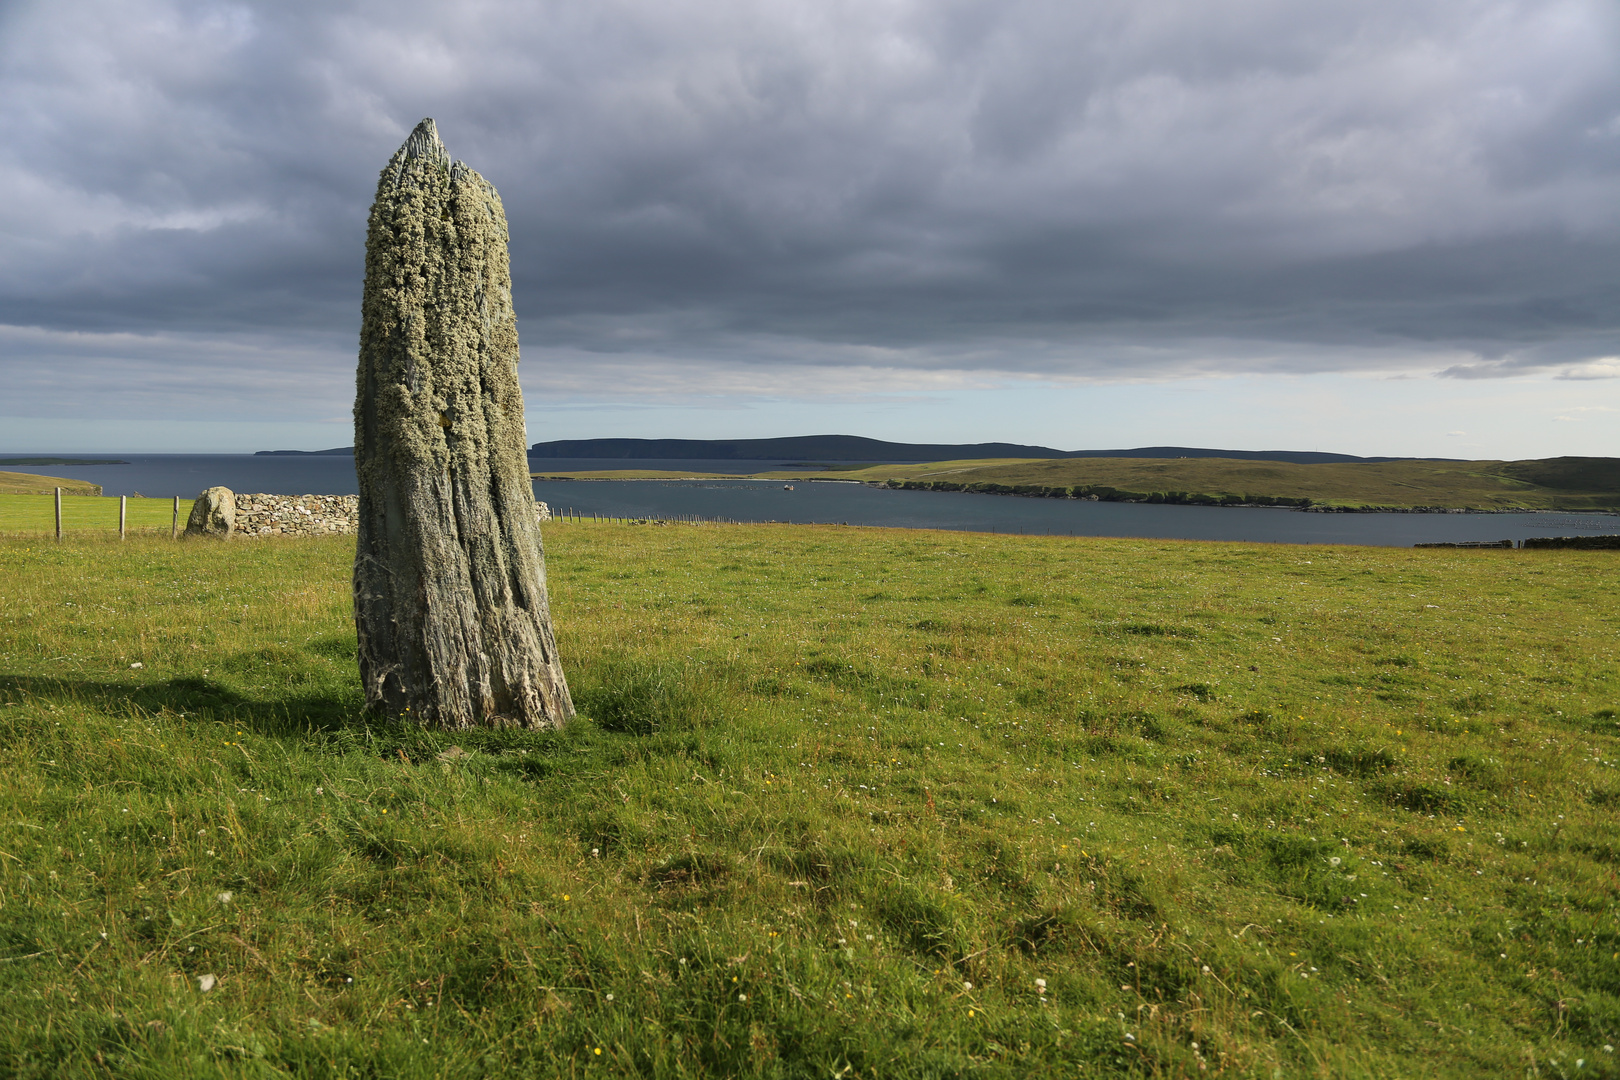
point(856, 448)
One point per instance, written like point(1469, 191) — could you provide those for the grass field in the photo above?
point(1551, 484)
point(16, 483)
point(841, 802)
point(1591, 483)
point(87, 514)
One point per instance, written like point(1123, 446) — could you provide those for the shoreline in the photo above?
point(1136, 498)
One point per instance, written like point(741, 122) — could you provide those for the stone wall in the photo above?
point(309, 515)
point(296, 515)
point(1579, 543)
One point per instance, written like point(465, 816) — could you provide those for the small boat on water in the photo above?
point(787, 487)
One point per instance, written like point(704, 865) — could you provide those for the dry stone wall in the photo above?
point(309, 515)
point(296, 515)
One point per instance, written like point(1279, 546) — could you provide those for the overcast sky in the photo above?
point(1379, 227)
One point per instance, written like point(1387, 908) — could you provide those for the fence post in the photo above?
point(59, 513)
point(123, 514)
point(174, 529)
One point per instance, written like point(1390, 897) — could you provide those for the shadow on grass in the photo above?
point(334, 720)
point(200, 698)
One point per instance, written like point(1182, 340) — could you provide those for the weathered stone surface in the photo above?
point(449, 576)
point(213, 514)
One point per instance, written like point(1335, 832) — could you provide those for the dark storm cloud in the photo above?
point(1122, 189)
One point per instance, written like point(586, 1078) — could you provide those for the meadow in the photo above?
point(1547, 484)
point(16, 483)
point(87, 515)
point(839, 802)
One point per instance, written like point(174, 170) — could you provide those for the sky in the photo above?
point(1389, 227)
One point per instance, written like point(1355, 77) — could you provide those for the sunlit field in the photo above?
point(839, 803)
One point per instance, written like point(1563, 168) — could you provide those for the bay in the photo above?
point(842, 502)
point(835, 502)
point(166, 475)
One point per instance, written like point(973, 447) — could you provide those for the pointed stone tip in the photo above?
point(422, 145)
point(424, 142)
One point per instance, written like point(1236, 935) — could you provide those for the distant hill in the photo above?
point(1568, 473)
point(799, 447)
point(1298, 457)
point(855, 448)
point(1549, 484)
point(335, 451)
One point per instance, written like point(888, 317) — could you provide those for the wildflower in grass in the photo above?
point(1040, 985)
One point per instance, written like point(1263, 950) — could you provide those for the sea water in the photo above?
point(838, 502)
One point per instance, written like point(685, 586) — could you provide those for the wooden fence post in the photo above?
point(59, 513)
point(123, 514)
point(174, 529)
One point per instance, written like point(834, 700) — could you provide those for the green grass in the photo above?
point(86, 514)
point(837, 799)
point(1549, 484)
point(1552, 484)
point(16, 483)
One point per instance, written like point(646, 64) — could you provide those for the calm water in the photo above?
point(831, 502)
point(165, 475)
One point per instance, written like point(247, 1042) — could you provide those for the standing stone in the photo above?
point(213, 514)
point(449, 575)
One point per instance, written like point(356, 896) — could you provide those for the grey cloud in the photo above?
point(1117, 189)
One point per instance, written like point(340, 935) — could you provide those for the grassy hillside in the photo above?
point(1553, 484)
point(842, 802)
point(16, 483)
